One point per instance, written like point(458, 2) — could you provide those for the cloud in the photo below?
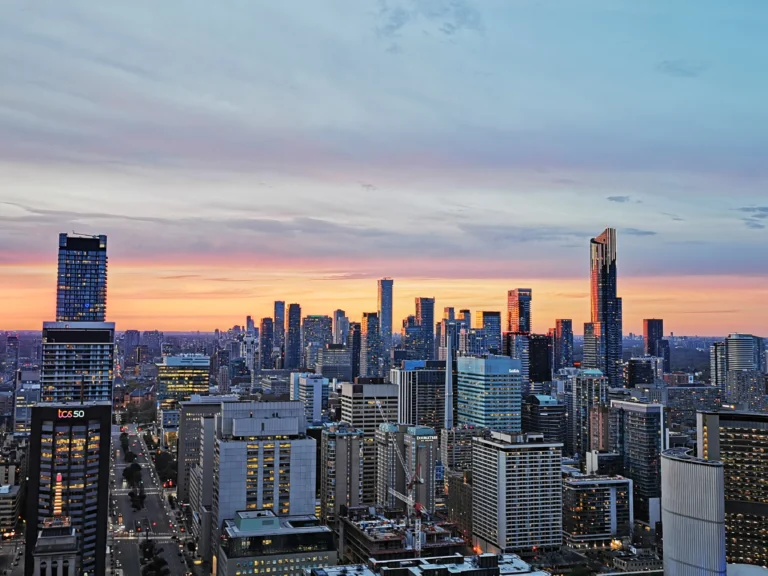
point(755, 211)
point(368, 187)
point(179, 276)
point(680, 68)
point(638, 232)
point(619, 199)
point(753, 224)
point(674, 217)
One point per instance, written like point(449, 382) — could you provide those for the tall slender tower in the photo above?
point(425, 319)
point(278, 321)
point(385, 319)
point(603, 335)
point(370, 345)
point(81, 291)
point(448, 384)
point(293, 337)
point(519, 310)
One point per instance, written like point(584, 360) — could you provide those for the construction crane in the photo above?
point(408, 499)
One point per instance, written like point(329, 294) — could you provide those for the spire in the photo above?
point(448, 424)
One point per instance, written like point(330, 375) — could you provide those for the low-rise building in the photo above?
point(10, 507)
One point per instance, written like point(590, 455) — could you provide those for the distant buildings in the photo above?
point(490, 322)
point(519, 310)
point(370, 345)
point(81, 291)
point(654, 343)
point(340, 327)
point(562, 345)
point(385, 319)
point(278, 321)
point(313, 393)
point(334, 362)
point(354, 342)
point(293, 338)
point(179, 377)
point(584, 390)
point(425, 320)
point(266, 343)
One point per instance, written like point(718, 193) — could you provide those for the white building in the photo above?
point(313, 391)
point(693, 514)
point(517, 494)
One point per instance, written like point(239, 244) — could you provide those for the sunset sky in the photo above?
point(238, 152)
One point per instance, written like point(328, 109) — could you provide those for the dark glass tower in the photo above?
point(293, 337)
point(519, 310)
point(81, 291)
point(385, 315)
point(278, 321)
point(603, 335)
point(425, 318)
point(69, 477)
point(653, 341)
point(266, 343)
point(353, 343)
point(563, 344)
point(539, 358)
point(370, 346)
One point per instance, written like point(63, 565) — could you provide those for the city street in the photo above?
point(155, 520)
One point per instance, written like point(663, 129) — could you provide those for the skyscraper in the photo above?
point(519, 310)
point(654, 343)
point(425, 319)
point(718, 366)
point(341, 482)
point(490, 322)
point(81, 293)
point(340, 327)
point(370, 345)
point(563, 344)
point(421, 392)
point(12, 353)
point(539, 358)
point(489, 392)
point(385, 317)
point(353, 344)
point(266, 343)
point(278, 321)
point(69, 477)
point(293, 337)
point(179, 377)
point(317, 332)
point(78, 361)
point(603, 335)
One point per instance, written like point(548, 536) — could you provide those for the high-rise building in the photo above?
point(354, 338)
point(81, 292)
point(317, 332)
point(385, 318)
point(745, 389)
point(421, 392)
point(293, 338)
point(563, 344)
point(718, 365)
point(603, 335)
point(654, 343)
point(27, 396)
point(12, 353)
point(179, 377)
point(647, 371)
point(370, 345)
point(313, 392)
point(153, 340)
point(341, 482)
point(739, 440)
point(69, 478)
point(692, 514)
point(266, 343)
point(517, 494)
point(365, 407)
point(519, 310)
point(78, 361)
point(264, 436)
point(250, 327)
point(546, 416)
point(335, 363)
point(411, 340)
point(489, 392)
point(539, 358)
point(340, 327)
point(490, 322)
point(278, 321)
point(638, 433)
point(517, 345)
point(456, 446)
point(583, 391)
point(425, 320)
point(596, 511)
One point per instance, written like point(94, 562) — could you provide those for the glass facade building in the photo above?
point(81, 291)
point(179, 377)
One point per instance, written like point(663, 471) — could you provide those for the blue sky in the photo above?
point(403, 136)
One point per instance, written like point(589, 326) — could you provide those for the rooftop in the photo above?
point(506, 563)
point(264, 522)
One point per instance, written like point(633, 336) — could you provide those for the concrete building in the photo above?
point(596, 511)
point(263, 460)
point(335, 363)
point(341, 481)
point(181, 376)
point(421, 392)
point(312, 391)
point(489, 392)
point(364, 407)
point(517, 495)
point(258, 542)
point(584, 389)
point(693, 514)
point(10, 509)
point(456, 446)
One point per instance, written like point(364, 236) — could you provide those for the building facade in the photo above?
point(596, 511)
point(81, 291)
point(370, 346)
point(489, 392)
point(341, 481)
point(179, 377)
point(292, 335)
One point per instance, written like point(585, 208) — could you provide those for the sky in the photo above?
point(242, 151)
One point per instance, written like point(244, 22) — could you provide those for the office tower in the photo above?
point(27, 395)
point(456, 446)
point(425, 319)
point(250, 327)
point(278, 320)
point(449, 313)
point(562, 345)
point(81, 292)
point(292, 336)
point(745, 389)
point(354, 338)
point(179, 377)
point(313, 392)
point(539, 358)
point(639, 438)
point(411, 338)
point(450, 404)
point(422, 453)
point(693, 514)
point(449, 333)
point(489, 392)
point(335, 363)
point(517, 495)
point(654, 343)
point(340, 327)
point(738, 440)
point(603, 336)
point(596, 511)
point(600, 429)
point(742, 352)
point(341, 480)
point(266, 343)
point(584, 390)
point(518, 346)
point(317, 329)
point(266, 436)
point(519, 310)
point(490, 322)
point(364, 407)
point(718, 365)
point(12, 353)
point(385, 317)
point(251, 350)
point(69, 477)
point(131, 339)
point(544, 415)
point(647, 371)
point(421, 392)
point(78, 361)
point(370, 345)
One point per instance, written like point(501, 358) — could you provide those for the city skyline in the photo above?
point(225, 181)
